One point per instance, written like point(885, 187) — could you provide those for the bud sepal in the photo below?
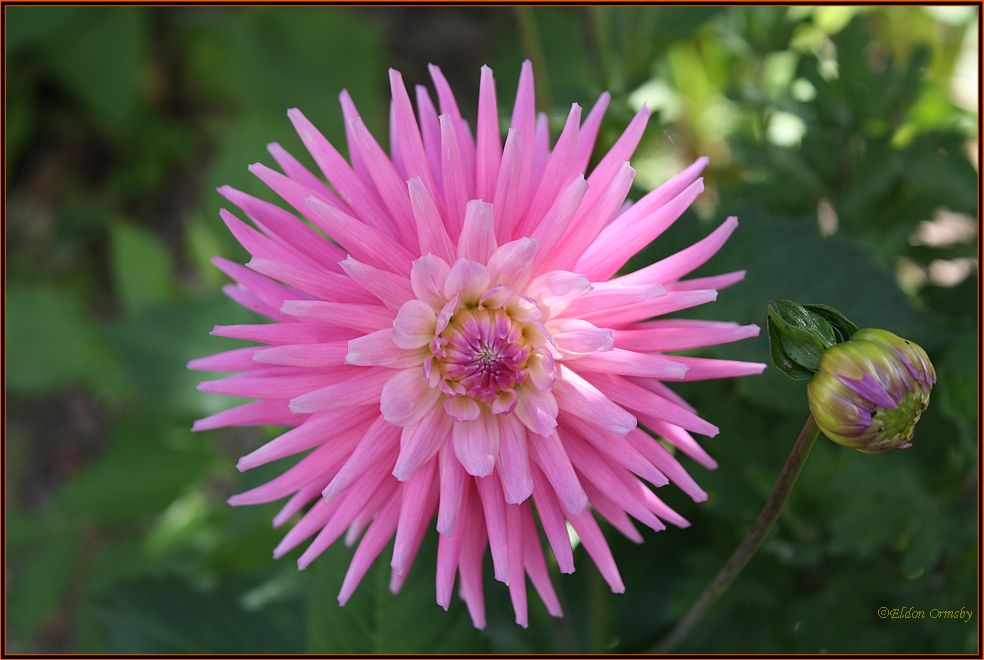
point(800, 334)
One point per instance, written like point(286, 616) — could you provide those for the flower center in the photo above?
point(482, 354)
point(487, 350)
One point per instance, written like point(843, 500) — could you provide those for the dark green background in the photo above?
point(122, 121)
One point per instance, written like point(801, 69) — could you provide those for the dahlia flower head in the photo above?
point(452, 349)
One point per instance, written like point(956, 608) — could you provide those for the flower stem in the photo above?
point(750, 544)
point(530, 36)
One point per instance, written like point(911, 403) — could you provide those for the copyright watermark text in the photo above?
point(963, 614)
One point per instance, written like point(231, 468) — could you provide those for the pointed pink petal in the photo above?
point(706, 368)
point(331, 354)
point(513, 464)
point(283, 333)
point(362, 241)
point(350, 113)
point(477, 241)
point(666, 463)
point(712, 282)
point(516, 564)
point(685, 261)
point(576, 396)
point(257, 413)
point(550, 456)
point(455, 183)
point(293, 168)
point(576, 337)
point(355, 192)
point(431, 232)
point(416, 510)
point(376, 538)
point(238, 359)
point(352, 504)
point(342, 427)
point(589, 133)
point(682, 440)
point(616, 517)
point(629, 363)
point(334, 287)
point(421, 441)
point(488, 150)
point(594, 468)
point(452, 490)
point(282, 225)
point(655, 337)
point(470, 563)
point(378, 441)
point(360, 389)
point(378, 350)
point(557, 221)
point(559, 171)
point(393, 290)
point(551, 516)
point(512, 264)
point(364, 318)
point(537, 410)
point(618, 450)
point(643, 402)
point(594, 542)
point(476, 444)
point(494, 507)
point(631, 232)
point(510, 185)
point(596, 209)
point(604, 298)
point(536, 567)
point(411, 145)
point(673, 301)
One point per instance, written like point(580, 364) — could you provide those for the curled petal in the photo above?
point(468, 280)
point(406, 397)
point(414, 325)
point(427, 276)
point(577, 337)
point(462, 409)
point(537, 410)
point(476, 443)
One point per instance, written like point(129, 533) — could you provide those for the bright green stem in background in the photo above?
point(741, 556)
point(530, 35)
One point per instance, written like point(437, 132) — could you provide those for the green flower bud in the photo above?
point(869, 391)
point(800, 334)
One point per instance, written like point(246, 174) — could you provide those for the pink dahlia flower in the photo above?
point(448, 340)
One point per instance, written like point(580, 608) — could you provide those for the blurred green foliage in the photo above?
point(835, 134)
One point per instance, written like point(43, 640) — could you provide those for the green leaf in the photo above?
point(157, 344)
point(169, 615)
point(41, 582)
point(99, 58)
point(141, 268)
point(53, 342)
point(145, 468)
point(27, 26)
point(376, 621)
point(956, 388)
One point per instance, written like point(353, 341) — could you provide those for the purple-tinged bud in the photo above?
point(869, 391)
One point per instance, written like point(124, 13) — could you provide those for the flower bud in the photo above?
point(799, 335)
point(869, 391)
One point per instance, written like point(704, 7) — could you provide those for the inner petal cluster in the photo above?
point(481, 354)
point(484, 353)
